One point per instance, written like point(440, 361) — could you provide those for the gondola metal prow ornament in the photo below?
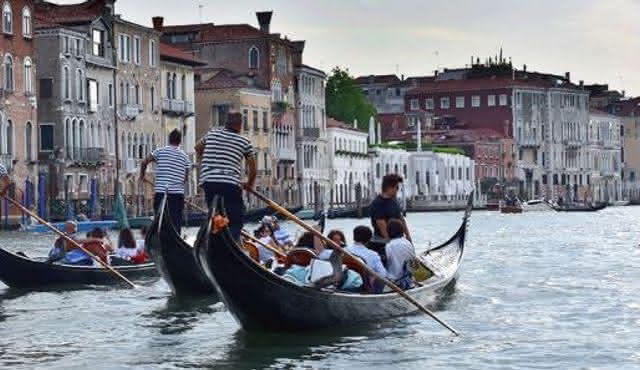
point(337, 247)
point(67, 238)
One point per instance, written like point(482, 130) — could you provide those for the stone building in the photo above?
point(628, 111)
point(313, 161)
point(18, 112)
point(178, 99)
point(350, 166)
point(222, 92)
point(604, 158)
point(139, 107)
point(76, 109)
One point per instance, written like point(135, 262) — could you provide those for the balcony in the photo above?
point(529, 142)
point(177, 107)
point(7, 161)
point(129, 112)
point(286, 154)
point(311, 132)
point(572, 143)
point(86, 156)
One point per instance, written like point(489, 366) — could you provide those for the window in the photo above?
point(28, 138)
point(459, 101)
point(453, 173)
point(415, 105)
point(503, 99)
point(152, 53)
point(79, 84)
point(168, 85)
point(136, 50)
point(46, 88)
point(78, 46)
point(459, 173)
point(7, 18)
point(254, 57)
point(137, 94)
point(8, 73)
point(255, 120)
point(46, 137)
point(28, 76)
point(491, 100)
point(26, 22)
point(265, 121)
point(428, 104)
point(245, 120)
point(98, 43)
point(93, 95)
point(475, 101)
point(152, 93)
point(125, 48)
point(83, 184)
point(183, 87)
point(111, 95)
point(444, 103)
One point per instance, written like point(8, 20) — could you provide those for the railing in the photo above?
point(86, 154)
point(286, 154)
point(572, 142)
point(311, 132)
point(7, 161)
point(129, 111)
point(529, 141)
point(178, 107)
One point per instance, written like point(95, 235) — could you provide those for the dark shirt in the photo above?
point(383, 209)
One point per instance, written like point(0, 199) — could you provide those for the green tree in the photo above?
point(345, 100)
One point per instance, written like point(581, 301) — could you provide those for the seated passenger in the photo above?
point(100, 234)
point(399, 253)
point(281, 236)
point(128, 251)
point(337, 237)
point(265, 236)
point(361, 236)
point(62, 245)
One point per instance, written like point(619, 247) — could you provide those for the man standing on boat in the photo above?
point(385, 207)
point(5, 180)
point(222, 151)
point(172, 170)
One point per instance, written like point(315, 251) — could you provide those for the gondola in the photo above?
point(580, 207)
point(19, 271)
point(263, 301)
point(174, 257)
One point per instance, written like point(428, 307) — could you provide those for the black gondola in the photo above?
point(580, 207)
point(20, 271)
point(174, 257)
point(262, 301)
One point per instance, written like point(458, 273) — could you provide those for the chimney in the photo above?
point(524, 68)
point(623, 93)
point(157, 23)
point(402, 77)
point(581, 83)
point(264, 19)
point(435, 73)
point(567, 76)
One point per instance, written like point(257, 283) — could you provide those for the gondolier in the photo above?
point(385, 207)
point(172, 170)
point(5, 180)
point(221, 151)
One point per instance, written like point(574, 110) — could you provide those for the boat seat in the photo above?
point(300, 257)
point(252, 251)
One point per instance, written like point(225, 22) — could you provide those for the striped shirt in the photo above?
point(171, 165)
point(223, 154)
point(3, 171)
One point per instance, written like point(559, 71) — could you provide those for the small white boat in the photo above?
point(536, 205)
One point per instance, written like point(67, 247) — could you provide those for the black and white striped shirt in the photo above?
point(171, 164)
point(3, 171)
point(223, 154)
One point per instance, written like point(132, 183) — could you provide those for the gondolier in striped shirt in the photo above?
point(172, 170)
point(5, 180)
point(222, 151)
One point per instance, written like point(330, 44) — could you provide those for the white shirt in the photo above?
point(371, 258)
point(398, 252)
point(265, 254)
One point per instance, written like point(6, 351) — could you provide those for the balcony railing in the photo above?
point(311, 132)
point(177, 107)
point(529, 141)
point(574, 143)
point(91, 155)
point(129, 111)
point(286, 154)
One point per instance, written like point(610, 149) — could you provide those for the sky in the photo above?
point(598, 41)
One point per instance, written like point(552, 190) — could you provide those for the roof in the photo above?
point(168, 52)
point(311, 68)
point(332, 122)
point(185, 28)
point(377, 79)
point(50, 14)
point(482, 84)
point(593, 111)
point(625, 108)
point(224, 79)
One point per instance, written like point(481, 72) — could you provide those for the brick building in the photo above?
point(18, 112)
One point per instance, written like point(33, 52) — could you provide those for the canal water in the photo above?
point(538, 290)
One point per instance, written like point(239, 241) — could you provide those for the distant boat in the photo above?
point(580, 207)
point(83, 226)
point(536, 205)
point(513, 208)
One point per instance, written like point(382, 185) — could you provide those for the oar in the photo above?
point(67, 238)
point(337, 247)
point(274, 250)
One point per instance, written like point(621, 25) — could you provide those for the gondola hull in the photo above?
point(18, 271)
point(175, 259)
point(262, 301)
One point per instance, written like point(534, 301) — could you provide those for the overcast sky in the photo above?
point(596, 40)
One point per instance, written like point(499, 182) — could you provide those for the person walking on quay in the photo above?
point(222, 151)
point(172, 171)
point(385, 207)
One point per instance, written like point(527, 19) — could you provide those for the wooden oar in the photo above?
point(257, 241)
point(67, 238)
point(337, 247)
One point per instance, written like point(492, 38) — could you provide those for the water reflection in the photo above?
point(181, 314)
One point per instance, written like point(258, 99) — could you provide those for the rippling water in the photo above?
point(539, 290)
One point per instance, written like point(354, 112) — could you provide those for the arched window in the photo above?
point(79, 85)
point(8, 73)
point(74, 138)
point(137, 94)
point(7, 18)
point(254, 57)
point(152, 53)
point(183, 87)
point(92, 136)
point(173, 86)
point(10, 138)
point(67, 83)
point(81, 135)
point(152, 97)
point(168, 85)
point(67, 138)
point(26, 22)
point(28, 137)
point(28, 75)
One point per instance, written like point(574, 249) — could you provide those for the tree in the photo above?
point(345, 100)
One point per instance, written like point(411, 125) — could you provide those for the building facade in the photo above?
point(604, 157)
point(439, 176)
point(312, 138)
point(385, 161)
point(350, 166)
point(18, 104)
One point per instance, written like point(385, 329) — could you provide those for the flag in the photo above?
point(120, 213)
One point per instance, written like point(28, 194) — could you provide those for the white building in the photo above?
point(385, 161)
point(312, 148)
point(440, 176)
point(604, 159)
point(350, 168)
